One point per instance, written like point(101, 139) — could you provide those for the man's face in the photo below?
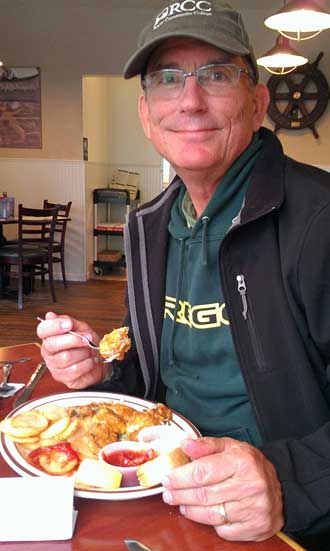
point(197, 131)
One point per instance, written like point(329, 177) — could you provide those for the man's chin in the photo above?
point(188, 162)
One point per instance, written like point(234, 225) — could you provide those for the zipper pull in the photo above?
point(242, 291)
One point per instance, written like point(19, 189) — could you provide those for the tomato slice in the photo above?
point(59, 459)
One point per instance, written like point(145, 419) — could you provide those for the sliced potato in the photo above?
point(52, 412)
point(30, 419)
point(56, 428)
point(24, 425)
point(69, 431)
point(26, 440)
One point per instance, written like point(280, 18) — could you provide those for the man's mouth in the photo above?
point(194, 133)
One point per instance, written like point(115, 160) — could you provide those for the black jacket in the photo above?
point(275, 271)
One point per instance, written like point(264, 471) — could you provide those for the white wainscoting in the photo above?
point(31, 181)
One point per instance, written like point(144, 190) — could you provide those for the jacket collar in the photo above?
point(266, 191)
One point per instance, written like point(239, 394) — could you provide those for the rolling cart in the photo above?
point(104, 225)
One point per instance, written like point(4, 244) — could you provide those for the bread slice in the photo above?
point(152, 472)
point(92, 472)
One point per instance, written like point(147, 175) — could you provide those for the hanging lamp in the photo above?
point(299, 20)
point(281, 59)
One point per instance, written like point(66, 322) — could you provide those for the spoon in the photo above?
point(4, 386)
point(89, 342)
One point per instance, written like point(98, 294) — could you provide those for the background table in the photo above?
point(103, 525)
point(4, 221)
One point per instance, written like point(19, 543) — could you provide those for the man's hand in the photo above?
point(69, 358)
point(236, 474)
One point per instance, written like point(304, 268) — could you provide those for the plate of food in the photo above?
point(64, 435)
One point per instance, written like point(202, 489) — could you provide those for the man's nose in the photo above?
point(192, 96)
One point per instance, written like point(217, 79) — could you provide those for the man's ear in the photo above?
point(144, 115)
point(261, 102)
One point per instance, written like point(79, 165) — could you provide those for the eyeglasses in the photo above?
point(217, 79)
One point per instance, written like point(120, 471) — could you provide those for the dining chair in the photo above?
point(33, 252)
point(60, 232)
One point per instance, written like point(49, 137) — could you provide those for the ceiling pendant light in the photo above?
point(281, 59)
point(299, 20)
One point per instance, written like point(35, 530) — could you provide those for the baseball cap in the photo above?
point(212, 21)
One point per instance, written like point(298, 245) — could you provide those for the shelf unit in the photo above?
point(108, 197)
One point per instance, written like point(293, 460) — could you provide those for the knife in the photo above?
point(36, 375)
point(134, 545)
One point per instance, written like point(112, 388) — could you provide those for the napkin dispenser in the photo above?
point(37, 508)
point(7, 207)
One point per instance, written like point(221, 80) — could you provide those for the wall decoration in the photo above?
point(20, 107)
point(85, 149)
point(298, 99)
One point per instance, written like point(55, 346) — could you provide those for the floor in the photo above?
point(116, 274)
point(99, 301)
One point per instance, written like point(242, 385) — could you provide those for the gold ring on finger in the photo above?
point(223, 514)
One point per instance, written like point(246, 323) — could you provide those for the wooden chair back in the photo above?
point(60, 233)
point(36, 226)
point(33, 252)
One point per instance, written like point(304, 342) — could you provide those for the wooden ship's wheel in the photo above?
point(298, 99)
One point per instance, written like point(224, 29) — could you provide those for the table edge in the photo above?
point(290, 542)
point(22, 344)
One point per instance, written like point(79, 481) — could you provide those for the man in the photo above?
point(228, 289)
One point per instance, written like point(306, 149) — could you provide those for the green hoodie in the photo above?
point(198, 361)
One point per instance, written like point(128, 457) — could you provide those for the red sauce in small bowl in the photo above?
point(129, 458)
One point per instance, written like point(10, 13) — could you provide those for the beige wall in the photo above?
point(70, 38)
point(96, 118)
point(112, 124)
point(128, 142)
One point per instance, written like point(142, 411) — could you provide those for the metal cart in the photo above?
point(103, 200)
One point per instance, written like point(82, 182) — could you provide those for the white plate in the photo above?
point(17, 462)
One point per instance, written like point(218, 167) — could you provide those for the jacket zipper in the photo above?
point(248, 317)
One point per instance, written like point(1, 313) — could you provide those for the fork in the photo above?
point(88, 341)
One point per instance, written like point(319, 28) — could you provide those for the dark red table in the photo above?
point(103, 525)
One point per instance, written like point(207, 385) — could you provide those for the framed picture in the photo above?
point(20, 107)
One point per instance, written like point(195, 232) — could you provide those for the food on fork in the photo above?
point(116, 343)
